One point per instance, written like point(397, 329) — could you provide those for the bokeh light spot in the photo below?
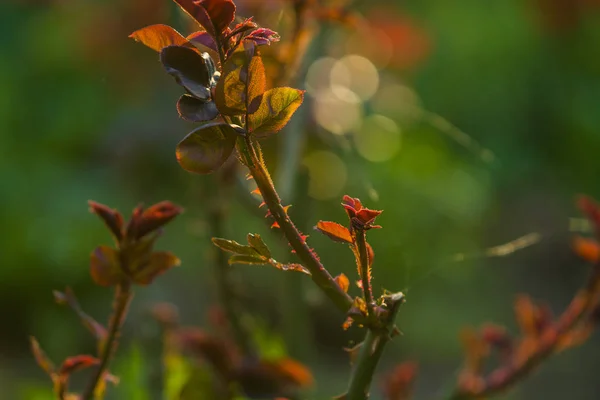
point(356, 73)
point(318, 76)
point(339, 111)
point(378, 138)
point(327, 174)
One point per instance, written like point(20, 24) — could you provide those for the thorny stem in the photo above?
point(263, 180)
point(506, 376)
point(371, 349)
point(364, 269)
point(123, 296)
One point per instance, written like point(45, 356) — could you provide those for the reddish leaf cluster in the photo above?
point(60, 376)
point(398, 383)
point(133, 259)
point(257, 378)
point(541, 334)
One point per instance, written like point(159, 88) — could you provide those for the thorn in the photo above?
point(262, 204)
point(256, 191)
point(249, 177)
point(286, 208)
point(275, 225)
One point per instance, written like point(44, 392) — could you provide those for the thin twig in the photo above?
point(123, 296)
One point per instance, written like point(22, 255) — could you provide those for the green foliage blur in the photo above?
point(482, 127)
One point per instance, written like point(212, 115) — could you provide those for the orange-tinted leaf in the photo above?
point(41, 357)
point(159, 36)
point(160, 262)
point(274, 111)
point(588, 249)
point(242, 259)
point(296, 372)
point(526, 313)
point(195, 110)
point(343, 282)
point(205, 149)
point(77, 363)
point(213, 15)
point(370, 254)
point(334, 231)
point(68, 298)
point(189, 69)
point(105, 267)
point(256, 242)
point(256, 82)
point(234, 247)
point(154, 217)
point(112, 218)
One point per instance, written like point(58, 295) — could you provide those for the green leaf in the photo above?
point(242, 80)
point(253, 260)
point(259, 245)
point(275, 109)
point(105, 267)
point(160, 262)
point(205, 149)
point(234, 247)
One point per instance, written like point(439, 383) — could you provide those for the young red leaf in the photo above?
point(263, 36)
point(234, 247)
point(105, 267)
point(156, 216)
point(160, 262)
point(203, 38)
point(159, 36)
point(274, 111)
point(259, 245)
point(77, 363)
point(334, 231)
point(195, 110)
point(205, 149)
point(189, 69)
point(112, 218)
point(242, 27)
point(220, 12)
point(41, 357)
point(343, 282)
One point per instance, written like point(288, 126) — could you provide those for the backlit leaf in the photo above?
point(160, 262)
point(41, 357)
point(293, 267)
point(202, 38)
point(159, 36)
point(234, 247)
point(231, 92)
point(259, 245)
point(213, 15)
point(257, 82)
point(274, 111)
point(334, 231)
point(77, 363)
point(243, 259)
point(263, 36)
point(343, 281)
point(188, 68)
point(105, 267)
point(205, 149)
point(195, 110)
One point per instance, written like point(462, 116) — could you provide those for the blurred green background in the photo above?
point(470, 123)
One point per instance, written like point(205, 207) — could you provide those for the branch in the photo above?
point(371, 349)
point(123, 296)
point(249, 152)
